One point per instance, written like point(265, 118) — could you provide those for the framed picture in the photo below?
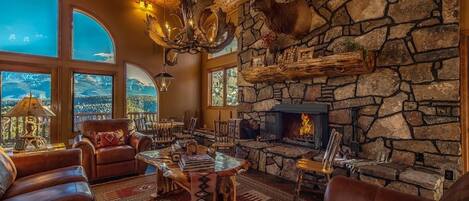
point(258, 61)
point(305, 54)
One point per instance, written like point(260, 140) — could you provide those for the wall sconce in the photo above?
point(145, 5)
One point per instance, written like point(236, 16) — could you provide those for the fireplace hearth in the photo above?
point(298, 124)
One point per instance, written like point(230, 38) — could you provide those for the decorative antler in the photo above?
point(203, 27)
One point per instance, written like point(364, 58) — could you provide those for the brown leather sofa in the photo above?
point(45, 176)
point(345, 189)
point(111, 161)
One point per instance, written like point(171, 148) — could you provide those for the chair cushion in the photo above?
point(115, 154)
point(46, 179)
point(109, 138)
point(7, 172)
point(76, 191)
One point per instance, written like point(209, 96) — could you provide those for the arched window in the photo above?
point(91, 41)
point(29, 28)
point(142, 94)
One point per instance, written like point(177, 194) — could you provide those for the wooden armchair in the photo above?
point(141, 126)
point(224, 137)
point(189, 133)
point(323, 167)
point(163, 135)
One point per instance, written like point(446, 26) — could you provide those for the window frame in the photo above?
point(225, 79)
point(62, 68)
point(54, 105)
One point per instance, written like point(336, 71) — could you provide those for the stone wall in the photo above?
point(409, 107)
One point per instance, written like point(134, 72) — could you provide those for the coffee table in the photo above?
point(226, 167)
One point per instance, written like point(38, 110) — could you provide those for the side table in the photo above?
point(49, 147)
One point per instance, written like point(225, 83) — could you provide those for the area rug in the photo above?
point(140, 188)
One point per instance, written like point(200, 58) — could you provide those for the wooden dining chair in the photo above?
point(189, 133)
point(192, 125)
point(224, 137)
point(323, 167)
point(140, 125)
point(163, 137)
point(203, 186)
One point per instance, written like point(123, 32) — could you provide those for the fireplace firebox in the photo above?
point(298, 124)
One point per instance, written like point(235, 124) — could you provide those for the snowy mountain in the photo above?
point(17, 85)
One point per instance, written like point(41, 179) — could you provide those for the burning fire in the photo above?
point(307, 125)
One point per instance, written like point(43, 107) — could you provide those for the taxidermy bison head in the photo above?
point(295, 18)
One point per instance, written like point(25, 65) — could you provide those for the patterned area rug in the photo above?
point(140, 188)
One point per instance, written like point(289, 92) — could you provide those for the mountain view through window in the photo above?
point(14, 87)
point(141, 91)
point(92, 97)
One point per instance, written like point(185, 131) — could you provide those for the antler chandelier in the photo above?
point(197, 26)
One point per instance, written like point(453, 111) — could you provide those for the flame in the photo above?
point(307, 125)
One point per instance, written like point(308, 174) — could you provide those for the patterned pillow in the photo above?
point(110, 138)
point(7, 172)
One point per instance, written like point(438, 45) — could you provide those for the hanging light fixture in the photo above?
point(163, 79)
point(198, 26)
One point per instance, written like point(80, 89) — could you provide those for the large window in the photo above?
point(232, 47)
point(14, 87)
point(91, 41)
point(141, 92)
point(92, 97)
point(232, 86)
point(217, 88)
point(222, 81)
point(29, 27)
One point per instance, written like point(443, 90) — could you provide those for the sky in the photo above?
point(31, 27)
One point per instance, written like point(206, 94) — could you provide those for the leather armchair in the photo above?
point(52, 175)
point(344, 189)
point(111, 161)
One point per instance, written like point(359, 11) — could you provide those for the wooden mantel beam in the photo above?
point(350, 63)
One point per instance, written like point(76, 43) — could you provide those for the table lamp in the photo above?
point(30, 107)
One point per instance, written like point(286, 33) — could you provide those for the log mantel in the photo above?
point(349, 63)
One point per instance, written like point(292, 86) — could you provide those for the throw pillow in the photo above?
point(7, 172)
point(110, 138)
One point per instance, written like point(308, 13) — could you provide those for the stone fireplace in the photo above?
point(408, 107)
point(298, 124)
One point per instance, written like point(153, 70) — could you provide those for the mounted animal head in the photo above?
point(295, 18)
